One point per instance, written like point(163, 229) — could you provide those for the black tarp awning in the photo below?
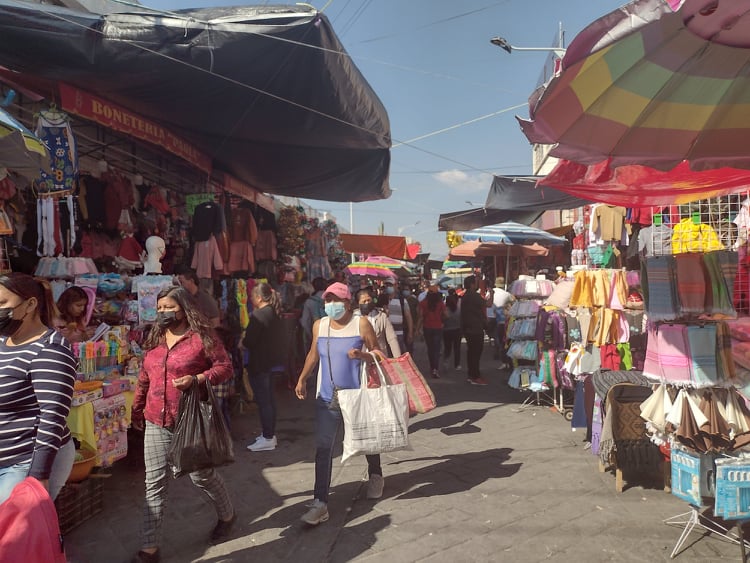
point(267, 92)
point(511, 198)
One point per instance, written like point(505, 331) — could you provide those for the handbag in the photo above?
point(376, 420)
point(201, 438)
point(404, 370)
point(29, 528)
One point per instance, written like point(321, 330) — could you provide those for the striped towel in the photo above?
point(674, 358)
point(691, 283)
point(721, 267)
point(724, 352)
point(661, 292)
point(651, 363)
point(702, 346)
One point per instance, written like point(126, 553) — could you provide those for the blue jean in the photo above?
point(432, 338)
point(262, 385)
point(327, 424)
point(11, 476)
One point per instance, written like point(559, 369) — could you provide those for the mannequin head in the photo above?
point(155, 250)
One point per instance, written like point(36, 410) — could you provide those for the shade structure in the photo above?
point(266, 93)
point(512, 233)
point(381, 245)
point(652, 85)
point(476, 249)
point(20, 149)
point(511, 198)
point(396, 266)
point(369, 270)
point(642, 186)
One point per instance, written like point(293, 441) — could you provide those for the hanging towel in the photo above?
point(674, 358)
point(724, 361)
point(702, 354)
point(719, 299)
point(661, 292)
point(691, 283)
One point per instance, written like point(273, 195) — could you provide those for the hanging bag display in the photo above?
point(376, 420)
point(404, 370)
point(201, 439)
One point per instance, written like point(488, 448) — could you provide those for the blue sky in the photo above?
point(432, 65)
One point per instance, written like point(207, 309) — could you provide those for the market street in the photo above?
point(486, 481)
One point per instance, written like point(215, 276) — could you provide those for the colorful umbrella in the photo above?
point(476, 249)
point(396, 266)
point(369, 270)
point(512, 233)
point(653, 86)
point(20, 149)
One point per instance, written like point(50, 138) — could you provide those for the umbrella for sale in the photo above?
point(654, 85)
point(20, 149)
point(369, 270)
point(396, 266)
point(715, 434)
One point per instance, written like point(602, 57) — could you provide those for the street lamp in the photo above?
point(402, 229)
point(559, 51)
point(503, 44)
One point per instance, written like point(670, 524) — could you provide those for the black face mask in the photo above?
point(166, 319)
point(366, 308)
point(8, 325)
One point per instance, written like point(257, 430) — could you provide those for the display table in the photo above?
point(101, 426)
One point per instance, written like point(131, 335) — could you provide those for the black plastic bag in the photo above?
point(201, 438)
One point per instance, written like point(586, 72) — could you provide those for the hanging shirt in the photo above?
point(691, 237)
point(655, 240)
point(608, 221)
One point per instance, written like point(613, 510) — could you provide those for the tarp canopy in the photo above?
point(380, 245)
point(267, 92)
point(476, 249)
point(511, 198)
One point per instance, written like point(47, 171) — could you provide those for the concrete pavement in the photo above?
point(486, 480)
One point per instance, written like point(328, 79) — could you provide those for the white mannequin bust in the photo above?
point(155, 250)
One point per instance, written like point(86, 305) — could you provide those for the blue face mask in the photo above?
point(389, 290)
point(335, 310)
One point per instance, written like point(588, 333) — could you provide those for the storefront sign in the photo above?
point(125, 121)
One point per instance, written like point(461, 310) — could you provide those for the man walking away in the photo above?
point(473, 320)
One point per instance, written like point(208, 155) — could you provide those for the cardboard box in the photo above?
point(693, 476)
point(733, 489)
point(79, 398)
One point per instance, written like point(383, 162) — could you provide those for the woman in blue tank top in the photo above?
point(338, 341)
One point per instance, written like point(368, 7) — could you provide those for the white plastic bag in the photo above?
point(375, 420)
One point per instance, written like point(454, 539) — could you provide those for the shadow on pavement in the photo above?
point(452, 423)
point(465, 471)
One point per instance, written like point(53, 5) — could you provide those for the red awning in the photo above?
point(378, 245)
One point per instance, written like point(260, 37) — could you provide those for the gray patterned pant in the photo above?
point(155, 447)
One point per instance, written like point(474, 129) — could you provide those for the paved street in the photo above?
point(486, 480)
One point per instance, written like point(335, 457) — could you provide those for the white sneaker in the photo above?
point(458, 368)
point(375, 486)
point(318, 513)
point(262, 444)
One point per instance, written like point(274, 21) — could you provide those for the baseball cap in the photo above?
point(338, 289)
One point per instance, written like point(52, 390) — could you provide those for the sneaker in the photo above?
point(435, 374)
point(145, 557)
point(223, 527)
point(458, 368)
point(318, 513)
point(375, 486)
point(477, 381)
point(262, 444)
point(502, 366)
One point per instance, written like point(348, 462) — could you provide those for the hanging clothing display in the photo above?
point(53, 128)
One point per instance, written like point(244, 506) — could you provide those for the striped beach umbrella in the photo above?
point(512, 233)
point(20, 149)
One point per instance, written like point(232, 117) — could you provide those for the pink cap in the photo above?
point(338, 289)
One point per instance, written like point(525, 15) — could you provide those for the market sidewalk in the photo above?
point(486, 481)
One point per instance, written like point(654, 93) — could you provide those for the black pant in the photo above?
point(452, 342)
point(474, 346)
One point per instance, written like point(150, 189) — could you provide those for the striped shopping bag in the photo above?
point(404, 370)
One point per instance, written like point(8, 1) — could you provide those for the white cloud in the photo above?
point(463, 182)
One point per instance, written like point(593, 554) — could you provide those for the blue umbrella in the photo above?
point(513, 233)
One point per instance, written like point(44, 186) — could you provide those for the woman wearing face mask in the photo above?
point(338, 340)
point(264, 339)
point(380, 323)
point(181, 350)
point(37, 373)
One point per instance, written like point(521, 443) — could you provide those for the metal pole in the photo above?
point(351, 222)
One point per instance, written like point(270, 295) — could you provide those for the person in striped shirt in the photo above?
point(37, 374)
